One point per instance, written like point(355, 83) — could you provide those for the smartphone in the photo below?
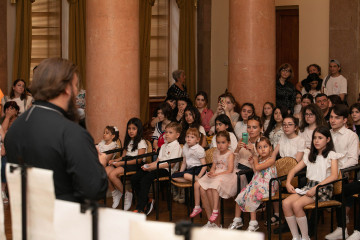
point(245, 137)
point(146, 166)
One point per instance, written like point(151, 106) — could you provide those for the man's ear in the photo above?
point(68, 90)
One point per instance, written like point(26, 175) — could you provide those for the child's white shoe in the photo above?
point(116, 195)
point(128, 199)
point(253, 226)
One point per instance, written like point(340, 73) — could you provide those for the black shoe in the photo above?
point(284, 229)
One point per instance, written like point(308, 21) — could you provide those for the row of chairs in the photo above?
point(283, 166)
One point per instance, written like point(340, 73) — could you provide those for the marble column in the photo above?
point(3, 47)
point(252, 50)
point(112, 65)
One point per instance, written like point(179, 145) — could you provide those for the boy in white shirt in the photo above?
point(347, 143)
point(143, 179)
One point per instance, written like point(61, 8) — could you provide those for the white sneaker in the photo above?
point(337, 234)
point(116, 195)
point(208, 225)
point(128, 199)
point(236, 225)
point(253, 226)
point(354, 236)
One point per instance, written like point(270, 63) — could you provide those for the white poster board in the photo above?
point(150, 230)
point(218, 233)
point(40, 203)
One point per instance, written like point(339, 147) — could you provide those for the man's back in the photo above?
point(42, 137)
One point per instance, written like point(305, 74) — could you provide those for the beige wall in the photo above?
point(313, 33)
point(313, 39)
point(219, 49)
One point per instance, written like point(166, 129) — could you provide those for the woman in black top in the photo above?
point(178, 89)
point(285, 91)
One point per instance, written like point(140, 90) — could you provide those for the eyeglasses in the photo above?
point(287, 125)
point(309, 114)
point(285, 70)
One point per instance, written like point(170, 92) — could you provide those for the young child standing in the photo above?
point(110, 136)
point(249, 199)
point(322, 167)
point(134, 145)
point(220, 181)
point(143, 179)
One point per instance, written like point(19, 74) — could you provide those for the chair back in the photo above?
point(149, 150)
point(209, 156)
point(283, 166)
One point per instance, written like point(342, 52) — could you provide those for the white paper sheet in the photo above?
point(217, 233)
point(40, 203)
point(70, 223)
point(150, 230)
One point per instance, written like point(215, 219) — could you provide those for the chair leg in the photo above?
point(280, 214)
point(222, 210)
point(355, 211)
point(123, 199)
point(343, 220)
point(157, 196)
point(170, 201)
point(332, 220)
point(268, 218)
point(316, 223)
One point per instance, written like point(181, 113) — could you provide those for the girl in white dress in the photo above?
point(134, 145)
point(322, 167)
point(312, 117)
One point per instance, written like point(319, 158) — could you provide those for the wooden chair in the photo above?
point(189, 185)
point(163, 179)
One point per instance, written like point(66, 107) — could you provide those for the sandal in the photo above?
point(213, 216)
point(195, 212)
point(274, 220)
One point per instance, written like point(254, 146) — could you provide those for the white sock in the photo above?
point(253, 223)
point(302, 222)
point(291, 221)
point(276, 214)
point(215, 211)
point(237, 219)
point(197, 207)
point(114, 192)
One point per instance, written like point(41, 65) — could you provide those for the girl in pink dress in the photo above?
point(220, 181)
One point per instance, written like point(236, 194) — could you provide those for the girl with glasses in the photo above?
point(312, 118)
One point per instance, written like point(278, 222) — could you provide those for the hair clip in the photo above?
point(116, 129)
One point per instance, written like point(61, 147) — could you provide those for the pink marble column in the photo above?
point(252, 50)
point(112, 64)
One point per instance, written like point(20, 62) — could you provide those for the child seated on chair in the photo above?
point(219, 182)
point(143, 179)
point(194, 155)
point(134, 145)
point(110, 136)
point(322, 167)
point(249, 199)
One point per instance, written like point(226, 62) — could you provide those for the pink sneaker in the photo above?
point(195, 212)
point(213, 216)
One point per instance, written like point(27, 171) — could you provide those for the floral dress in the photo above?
point(250, 197)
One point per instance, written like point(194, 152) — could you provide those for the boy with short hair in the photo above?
point(143, 179)
point(347, 143)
